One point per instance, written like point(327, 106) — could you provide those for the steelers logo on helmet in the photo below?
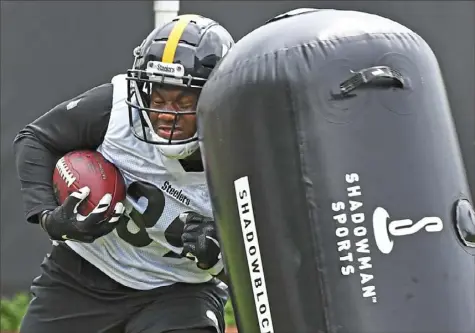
point(170, 68)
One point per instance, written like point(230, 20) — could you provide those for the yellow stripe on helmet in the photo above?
point(174, 37)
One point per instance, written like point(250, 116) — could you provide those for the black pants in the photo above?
point(73, 296)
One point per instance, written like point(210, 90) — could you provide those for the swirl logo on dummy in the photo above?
point(384, 229)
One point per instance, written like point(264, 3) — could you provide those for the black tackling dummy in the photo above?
point(337, 180)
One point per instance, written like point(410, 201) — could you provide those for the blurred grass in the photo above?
point(229, 314)
point(13, 309)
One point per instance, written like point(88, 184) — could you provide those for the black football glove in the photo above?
point(200, 242)
point(65, 223)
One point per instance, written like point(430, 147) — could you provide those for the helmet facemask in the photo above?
point(159, 121)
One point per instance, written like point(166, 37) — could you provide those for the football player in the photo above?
point(152, 266)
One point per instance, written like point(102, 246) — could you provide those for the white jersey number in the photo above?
point(148, 219)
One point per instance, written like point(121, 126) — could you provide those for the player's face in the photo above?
point(173, 99)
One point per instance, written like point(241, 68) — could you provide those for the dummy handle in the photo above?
point(369, 75)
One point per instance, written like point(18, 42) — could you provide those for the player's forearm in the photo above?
point(34, 165)
point(80, 123)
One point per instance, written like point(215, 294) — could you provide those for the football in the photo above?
point(88, 168)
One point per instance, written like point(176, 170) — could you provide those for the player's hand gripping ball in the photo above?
point(90, 191)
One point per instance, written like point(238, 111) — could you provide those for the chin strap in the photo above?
point(178, 151)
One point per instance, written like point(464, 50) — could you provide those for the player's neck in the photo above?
point(193, 162)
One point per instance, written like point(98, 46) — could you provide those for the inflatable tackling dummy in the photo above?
point(337, 181)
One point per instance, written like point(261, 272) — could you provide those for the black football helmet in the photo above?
point(181, 53)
